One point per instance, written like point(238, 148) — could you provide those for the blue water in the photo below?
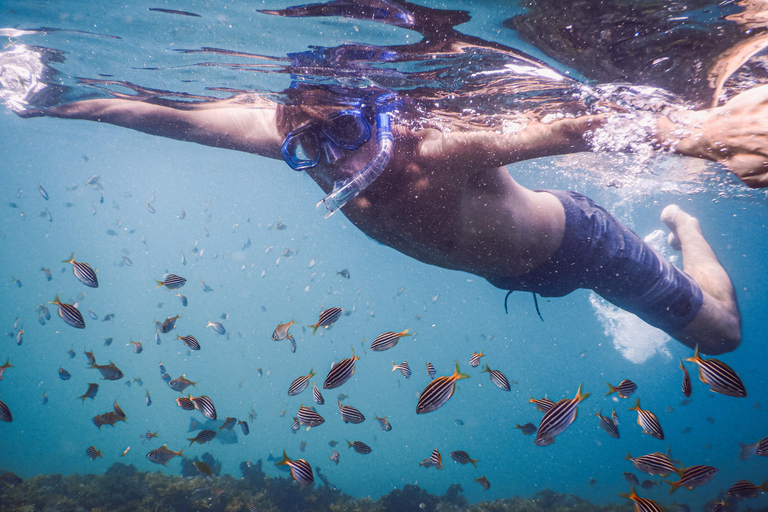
point(230, 198)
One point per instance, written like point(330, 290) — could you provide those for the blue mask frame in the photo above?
point(348, 129)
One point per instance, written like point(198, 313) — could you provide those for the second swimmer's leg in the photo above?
point(717, 326)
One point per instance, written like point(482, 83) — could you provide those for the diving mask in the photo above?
point(348, 129)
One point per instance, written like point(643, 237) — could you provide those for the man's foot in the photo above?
point(673, 216)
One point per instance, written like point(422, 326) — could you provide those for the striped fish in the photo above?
point(301, 471)
point(319, 400)
point(183, 299)
point(431, 370)
point(542, 404)
point(93, 314)
point(403, 367)
point(171, 281)
point(360, 447)
point(656, 463)
point(185, 403)
point(327, 318)
point(341, 372)
point(387, 340)
point(64, 374)
point(642, 504)
point(687, 388)
point(648, 421)
point(291, 342)
point(93, 453)
point(527, 429)
point(747, 451)
point(717, 506)
point(83, 272)
point(244, 427)
point(463, 457)
point(762, 447)
point(204, 404)
point(558, 418)
point(624, 389)
point(350, 415)
point(615, 417)
point(384, 424)
point(718, 376)
point(217, 327)
point(692, 477)
point(309, 418)
point(5, 412)
point(438, 392)
point(42, 191)
point(474, 360)
point(436, 459)
point(69, 314)
point(607, 424)
point(300, 384)
point(498, 378)
point(202, 437)
point(744, 489)
point(190, 341)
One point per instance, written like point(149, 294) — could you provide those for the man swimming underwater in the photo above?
point(439, 192)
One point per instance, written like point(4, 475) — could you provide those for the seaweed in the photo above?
point(125, 489)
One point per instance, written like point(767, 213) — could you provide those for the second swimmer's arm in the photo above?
point(230, 126)
point(735, 135)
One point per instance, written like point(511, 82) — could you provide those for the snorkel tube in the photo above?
point(347, 189)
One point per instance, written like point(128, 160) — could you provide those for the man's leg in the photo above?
point(717, 327)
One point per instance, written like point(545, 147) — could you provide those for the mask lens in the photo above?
point(301, 149)
point(348, 129)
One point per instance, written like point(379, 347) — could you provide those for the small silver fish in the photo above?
point(217, 327)
point(162, 455)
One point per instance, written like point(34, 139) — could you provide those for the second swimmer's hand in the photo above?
point(736, 136)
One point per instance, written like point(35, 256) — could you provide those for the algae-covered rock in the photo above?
point(411, 498)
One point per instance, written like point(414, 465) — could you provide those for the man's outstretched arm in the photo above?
point(248, 127)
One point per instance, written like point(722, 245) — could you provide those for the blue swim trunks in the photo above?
point(600, 254)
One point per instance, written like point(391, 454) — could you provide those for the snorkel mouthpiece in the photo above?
point(347, 189)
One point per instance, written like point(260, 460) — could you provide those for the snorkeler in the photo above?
point(439, 191)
